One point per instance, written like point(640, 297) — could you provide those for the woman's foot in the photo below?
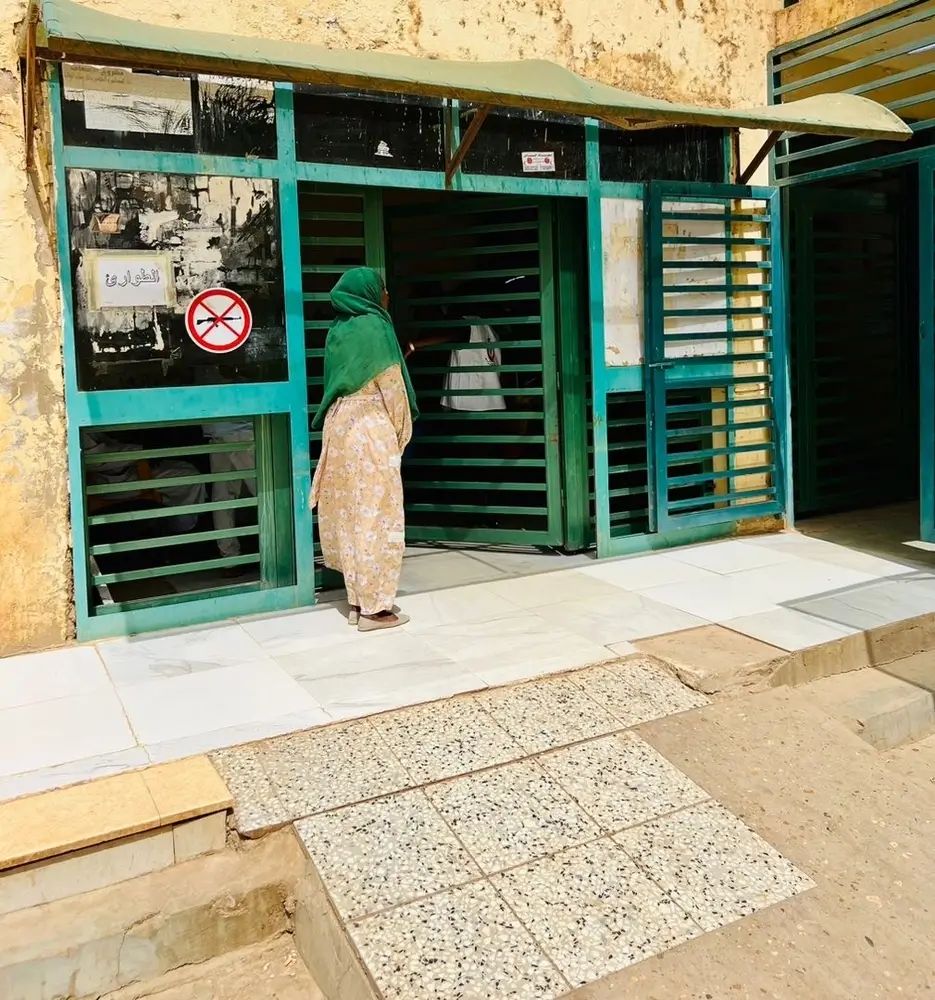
point(353, 615)
point(381, 620)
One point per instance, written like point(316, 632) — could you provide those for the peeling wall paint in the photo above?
point(35, 599)
point(705, 51)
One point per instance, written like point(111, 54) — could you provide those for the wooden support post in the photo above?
point(451, 167)
point(31, 77)
point(761, 155)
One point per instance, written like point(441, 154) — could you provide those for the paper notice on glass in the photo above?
point(538, 163)
point(126, 279)
point(118, 100)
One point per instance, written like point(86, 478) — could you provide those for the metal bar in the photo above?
point(467, 140)
point(760, 156)
point(179, 568)
point(182, 509)
point(193, 537)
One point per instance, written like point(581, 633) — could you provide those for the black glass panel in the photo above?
point(220, 116)
point(143, 246)
point(519, 143)
point(680, 153)
point(368, 130)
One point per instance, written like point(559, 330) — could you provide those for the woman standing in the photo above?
point(367, 412)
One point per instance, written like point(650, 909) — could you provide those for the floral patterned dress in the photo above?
point(358, 490)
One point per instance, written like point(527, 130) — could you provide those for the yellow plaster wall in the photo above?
point(705, 51)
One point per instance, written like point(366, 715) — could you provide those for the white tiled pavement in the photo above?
point(477, 621)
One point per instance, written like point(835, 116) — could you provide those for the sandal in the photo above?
point(379, 624)
point(353, 616)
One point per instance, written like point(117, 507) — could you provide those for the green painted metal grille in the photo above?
point(479, 475)
point(852, 349)
point(628, 464)
point(182, 511)
point(710, 256)
point(885, 55)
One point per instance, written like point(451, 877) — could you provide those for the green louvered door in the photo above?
point(340, 228)
point(714, 335)
point(484, 464)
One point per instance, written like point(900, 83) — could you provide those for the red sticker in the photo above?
point(218, 320)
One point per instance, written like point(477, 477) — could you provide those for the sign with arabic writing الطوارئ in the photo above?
point(126, 279)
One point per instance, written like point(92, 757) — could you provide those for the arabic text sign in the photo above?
point(538, 163)
point(121, 280)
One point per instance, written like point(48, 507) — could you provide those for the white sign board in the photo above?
point(538, 163)
point(127, 279)
point(622, 253)
point(117, 100)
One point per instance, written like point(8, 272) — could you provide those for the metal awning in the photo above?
point(71, 32)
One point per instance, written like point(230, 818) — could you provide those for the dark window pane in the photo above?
point(681, 153)
point(220, 116)
point(506, 136)
point(368, 130)
point(143, 246)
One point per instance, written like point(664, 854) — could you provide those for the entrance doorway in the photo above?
point(854, 344)
point(490, 291)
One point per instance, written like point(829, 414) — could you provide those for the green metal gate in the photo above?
point(716, 399)
point(479, 474)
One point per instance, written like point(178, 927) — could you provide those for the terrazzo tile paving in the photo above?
point(518, 843)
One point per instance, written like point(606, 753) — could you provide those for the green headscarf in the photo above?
point(361, 342)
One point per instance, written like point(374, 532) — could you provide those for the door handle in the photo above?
point(661, 364)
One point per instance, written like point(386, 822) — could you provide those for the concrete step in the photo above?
point(272, 970)
point(135, 931)
point(886, 707)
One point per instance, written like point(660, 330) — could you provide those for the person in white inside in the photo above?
point(481, 363)
point(230, 432)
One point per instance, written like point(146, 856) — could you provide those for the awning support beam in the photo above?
point(467, 140)
point(760, 156)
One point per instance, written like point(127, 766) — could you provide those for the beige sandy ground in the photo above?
point(861, 824)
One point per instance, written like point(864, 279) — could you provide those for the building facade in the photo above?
point(150, 480)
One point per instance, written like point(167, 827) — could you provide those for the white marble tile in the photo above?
point(143, 660)
point(363, 652)
point(445, 739)
point(513, 649)
point(208, 700)
point(621, 780)
point(619, 619)
point(460, 605)
point(384, 853)
point(593, 911)
point(533, 592)
point(73, 773)
point(511, 814)
point(878, 603)
point(49, 733)
point(285, 635)
point(716, 599)
point(806, 547)
point(547, 713)
point(232, 736)
point(389, 688)
point(712, 865)
point(730, 556)
point(643, 572)
point(789, 629)
point(57, 673)
point(442, 570)
point(464, 943)
point(791, 581)
point(530, 563)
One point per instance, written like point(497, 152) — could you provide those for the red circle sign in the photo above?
point(218, 320)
